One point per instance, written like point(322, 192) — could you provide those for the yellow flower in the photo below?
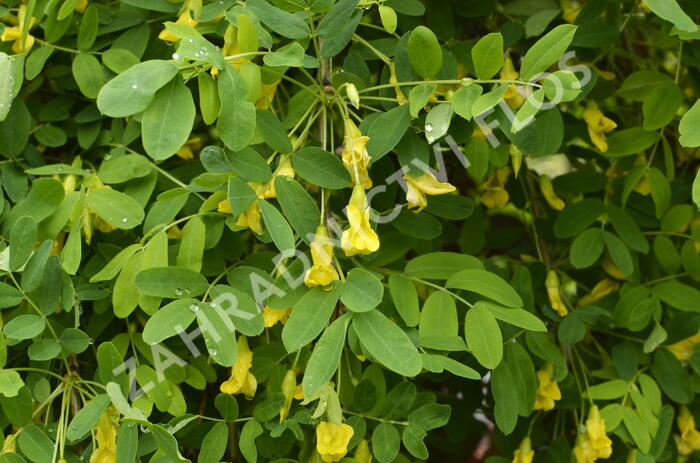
point(355, 155)
point(516, 158)
point(271, 316)
point(594, 442)
point(552, 284)
point(683, 349)
point(285, 169)
point(242, 380)
point(106, 437)
point(250, 218)
point(362, 452)
point(642, 187)
point(359, 238)
point(184, 18)
point(495, 194)
point(10, 444)
point(547, 390)
point(690, 437)
point(15, 32)
point(524, 453)
point(400, 96)
point(514, 99)
point(289, 386)
point(187, 150)
point(554, 201)
point(426, 184)
point(599, 291)
point(322, 272)
point(80, 7)
point(610, 268)
point(598, 126)
point(267, 94)
point(332, 440)
point(571, 10)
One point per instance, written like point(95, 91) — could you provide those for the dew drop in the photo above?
point(178, 292)
point(176, 56)
point(194, 307)
point(190, 40)
point(428, 128)
point(124, 220)
point(212, 351)
point(59, 169)
point(212, 305)
point(134, 86)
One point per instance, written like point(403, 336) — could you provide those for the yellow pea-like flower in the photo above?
point(516, 158)
point(187, 150)
point(106, 437)
point(283, 169)
point(552, 285)
point(495, 194)
point(683, 349)
point(547, 389)
point(322, 272)
point(554, 201)
point(512, 97)
point(289, 386)
point(598, 126)
point(355, 156)
point(15, 33)
point(250, 218)
point(400, 95)
point(332, 440)
point(362, 452)
point(242, 380)
point(599, 291)
point(271, 316)
point(594, 443)
point(184, 18)
point(571, 10)
point(524, 453)
point(689, 440)
point(426, 184)
point(359, 238)
point(10, 444)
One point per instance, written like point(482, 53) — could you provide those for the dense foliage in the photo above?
point(353, 230)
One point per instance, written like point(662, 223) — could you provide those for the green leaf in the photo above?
point(661, 105)
point(438, 317)
point(87, 417)
point(170, 320)
point(587, 248)
point(336, 18)
point(289, 55)
point(386, 131)
point(43, 199)
point(89, 25)
point(272, 129)
point(127, 443)
point(209, 102)
point(487, 55)
point(424, 52)
point(387, 343)
point(251, 430)
point(87, 73)
point(171, 282)
point(10, 383)
point(576, 218)
point(672, 377)
point(284, 23)
point(214, 444)
point(405, 296)
point(72, 249)
point(463, 100)
point(277, 225)
point(516, 317)
point(483, 336)
point(35, 444)
point(168, 120)
point(121, 169)
point(619, 253)
point(309, 316)
point(298, 206)
point(6, 85)
point(678, 295)
point(630, 141)
point(418, 97)
point(115, 208)
point(325, 357)
point(386, 443)
point(672, 12)
point(437, 122)
point(192, 245)
point(486, 284)
point(167, 443)
point(608, 390)
point(236, 124)
point(362, 290)
point(250, 165)
point(628, 230)
point(25, 326)
point(506, 398)
point(22, 241)
point(660, 191)
point(133, 90)
point(388, 18)
point(690, 136)
point(320, 168)
point(547, 51)
point(9, 296)
point(115, 265)
point(440, 265)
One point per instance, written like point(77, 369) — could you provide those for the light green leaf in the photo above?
point(690, 135)
point(486, 284)
point(171, 282)
point(362, 290)
point(547, 51)
point(672, 12)
point(424, 52)
point(320, 168)
point(309, 316)
point(168, 120)
point(483, 335)
point(487, 55)
point(115, 208)
point(325, 357)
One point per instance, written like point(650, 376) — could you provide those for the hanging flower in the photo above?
point(552, 285)
point(289, 387)
point(362, 452)
point(271, 316)
point(332, 440)
point(267, 94)
point(554, 201)
point(242, 380)
point(516, 158)
point(689, 440)
point(359, 238)
point(610, 268)
point(187, 150)
point(80, 6)
point(285, 169)
point(684, 348)
point(512, 97)
point(15, 32)
point(322, 272)
point(106, 437)
point(250, 218)
point(495, 194)
point(594, 442)
point(355, 155)
point(547, 389)
point(400, 95)
point(184, 18)
point(571, 9)
point(426, 184)
point(599, 291)
point(524, 453)
point(598, 126)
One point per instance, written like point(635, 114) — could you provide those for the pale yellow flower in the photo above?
point(495, 194)
point(362, 452)
point(10, 444)
point(599, 291)
point(15, 33)
point(512, 97)
point(359, 238)
point(524, 453)
point(690, 437)
point(332, 440)
point(400, 95)
point(547, 389)
point(322, 272)
point(271, 316)
point(552, 285)
point(683, 349)
point(250, 218)
point(426, 184)
point(554, 201)
point(598, 126)
point(187, 150)
point(289, 386)
point(242, 380)
point(355, 155)
point(571, 9)
point(106, 437)
point(594, 443)
point(285, 169)
point(184, 18)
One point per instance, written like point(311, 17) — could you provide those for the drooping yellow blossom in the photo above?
point(267, 94)
point(355, 155)
point(524, 453)
point(271, 316)
point(289, 386)
point(594, 442)
point(683, 349)
point(359, 238)
point(552, 285)
point(80, 7)
point(516, 158)
point(224, 206)
point(284, 168)
point(426, 184)
point(332, 440)
point(599, 291)
point(554, 201)
point(512, 97)
point(495, 194)
point(571, 9)
point(362, 452)
point(400, 95)
point(187, 150)
point(598, 126)
point(184, 18)
point(10, 444)
point(689, 440)
point(242, 380)
point(15, 32)
point(322, 272)
point(106, 437)
point(642, 187)
point(610, 268)
point(250, 218)
point(547, 389)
